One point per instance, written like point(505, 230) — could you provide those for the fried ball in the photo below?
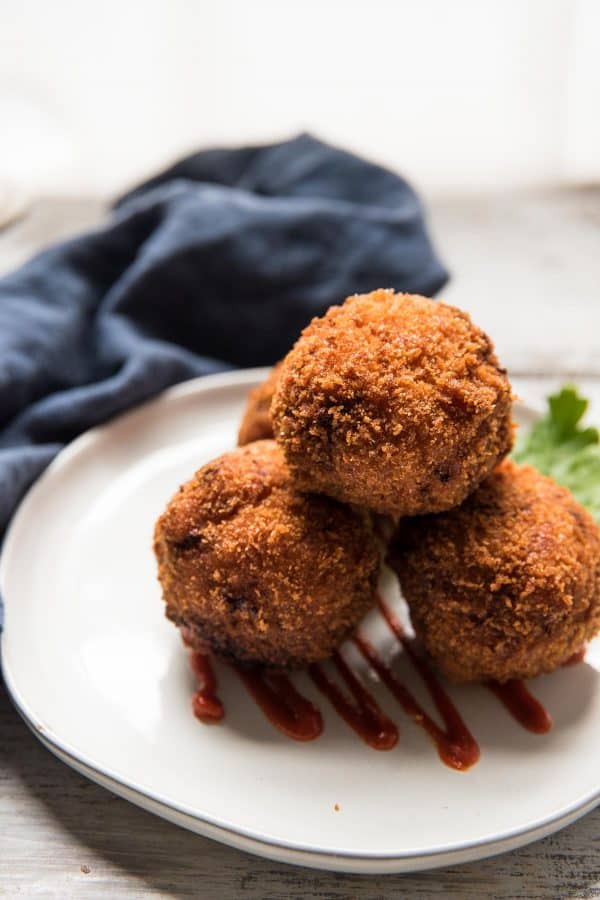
point(256, 422)
point(506, 585)
point(257, 572)
point(393, 402)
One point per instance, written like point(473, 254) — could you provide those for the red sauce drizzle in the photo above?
point(456, 745)
point(362, 713)
point(522, 705)
point(281, 703)
point(578, 657)
point(205, 703)
point(298, 718)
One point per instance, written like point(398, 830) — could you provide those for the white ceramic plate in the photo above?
point(100, 676)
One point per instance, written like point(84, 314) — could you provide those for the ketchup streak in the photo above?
point(205, 703)
point(281, 703)
point(522, 705)
point(362, 713)
point(456, 745)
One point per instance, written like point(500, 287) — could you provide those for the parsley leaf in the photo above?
point(560, 447)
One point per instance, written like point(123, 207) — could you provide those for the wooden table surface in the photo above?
point(527, 267)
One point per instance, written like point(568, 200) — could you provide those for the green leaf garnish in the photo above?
point(560, 447)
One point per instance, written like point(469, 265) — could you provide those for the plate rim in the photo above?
point(280, 851)
point(262, 842)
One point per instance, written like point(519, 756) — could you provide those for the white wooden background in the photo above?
point(527, 266)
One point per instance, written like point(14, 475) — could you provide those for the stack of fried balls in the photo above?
point(390, 405)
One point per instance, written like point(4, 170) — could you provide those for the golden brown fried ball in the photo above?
point(392, 402)
point(256, 422)
point(257, 572)
point(506, 585)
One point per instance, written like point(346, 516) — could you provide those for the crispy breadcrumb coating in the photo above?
point(256, 422)
point(506, 585)
point(393, 402)
point(257, 572)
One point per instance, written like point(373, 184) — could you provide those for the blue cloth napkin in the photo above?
point(217, 262)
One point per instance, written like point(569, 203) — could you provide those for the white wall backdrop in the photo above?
point(461, 95)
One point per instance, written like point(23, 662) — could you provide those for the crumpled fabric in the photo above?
point(217, 262)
